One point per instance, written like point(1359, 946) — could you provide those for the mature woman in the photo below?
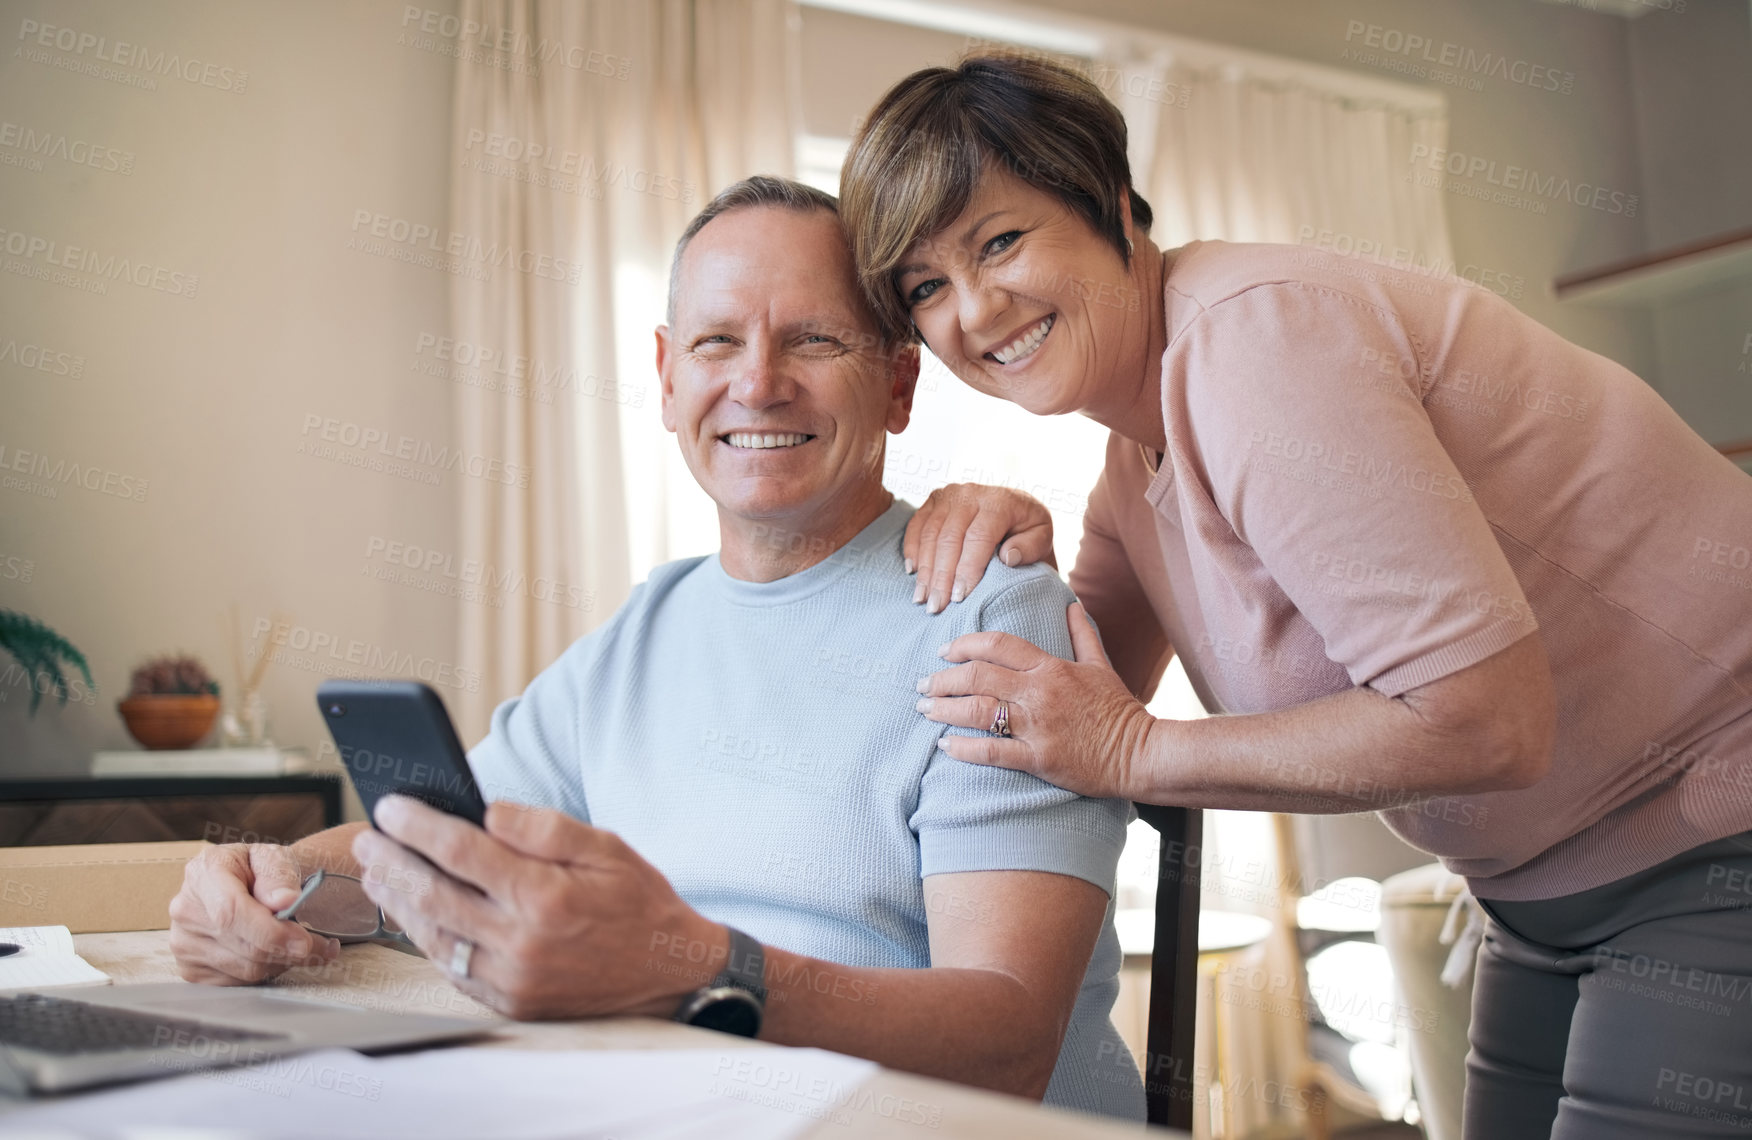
point(1431, 558)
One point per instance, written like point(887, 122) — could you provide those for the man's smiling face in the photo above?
point(775, 381)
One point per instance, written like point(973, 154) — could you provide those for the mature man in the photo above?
point(746, 724)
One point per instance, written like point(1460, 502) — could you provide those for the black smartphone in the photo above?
point(394, 737)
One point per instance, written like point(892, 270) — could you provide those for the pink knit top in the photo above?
point(1376, 477)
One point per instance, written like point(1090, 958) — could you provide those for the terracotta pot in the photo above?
point(168, 720)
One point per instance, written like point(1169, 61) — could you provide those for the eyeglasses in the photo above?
point(336, 906)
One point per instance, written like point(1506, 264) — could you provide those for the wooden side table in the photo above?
point(143, 809)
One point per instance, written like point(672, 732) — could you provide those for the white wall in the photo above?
point(1693, 83)
point(200, 401)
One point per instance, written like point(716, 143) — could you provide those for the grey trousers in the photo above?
point(1620, 1012)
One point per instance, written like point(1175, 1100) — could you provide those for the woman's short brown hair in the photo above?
point(917, 161)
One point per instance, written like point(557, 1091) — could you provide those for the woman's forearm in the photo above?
point(1350, 752)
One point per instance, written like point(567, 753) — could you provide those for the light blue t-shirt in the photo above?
point(757, 742)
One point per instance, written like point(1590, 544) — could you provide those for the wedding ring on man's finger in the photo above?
point(1001, 722)
point(461, 956)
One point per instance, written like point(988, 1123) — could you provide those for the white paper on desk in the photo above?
point(47, 959)
point(468, 1093)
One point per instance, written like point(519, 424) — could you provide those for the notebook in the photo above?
point(47, 959)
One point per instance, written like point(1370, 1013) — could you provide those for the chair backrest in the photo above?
point(1168, 1068)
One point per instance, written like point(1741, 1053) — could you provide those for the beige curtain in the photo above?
point(1222, 152)
point(586, 133)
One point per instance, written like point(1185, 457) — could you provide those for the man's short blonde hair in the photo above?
point(918, 160)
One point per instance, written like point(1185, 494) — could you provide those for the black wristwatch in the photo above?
point(735, 1000)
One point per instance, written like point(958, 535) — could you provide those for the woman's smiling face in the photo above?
point(1021, 298)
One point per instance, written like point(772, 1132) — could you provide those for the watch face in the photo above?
point(729, 1011)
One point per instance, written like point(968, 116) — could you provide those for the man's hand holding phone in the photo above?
point(566, 920)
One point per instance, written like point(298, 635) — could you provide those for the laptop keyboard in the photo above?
point(62, 1025)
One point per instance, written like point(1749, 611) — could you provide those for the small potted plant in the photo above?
point(171, 702)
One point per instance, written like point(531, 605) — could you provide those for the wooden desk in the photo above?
point(381, 978)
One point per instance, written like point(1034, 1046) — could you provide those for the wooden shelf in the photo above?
point(1653, 278)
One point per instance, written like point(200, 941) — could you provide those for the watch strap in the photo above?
point(746, 966)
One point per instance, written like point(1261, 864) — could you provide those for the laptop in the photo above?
point(74, 1037)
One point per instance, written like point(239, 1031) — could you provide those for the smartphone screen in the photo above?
point(394, 737)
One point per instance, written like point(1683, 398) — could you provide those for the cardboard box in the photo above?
point(94, 887)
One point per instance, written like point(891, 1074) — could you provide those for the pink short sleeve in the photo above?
point(1316, 472)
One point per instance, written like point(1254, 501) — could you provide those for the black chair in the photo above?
point(1168, 1069)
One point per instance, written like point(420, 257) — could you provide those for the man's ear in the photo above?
point(903, 373)
point(663, 377)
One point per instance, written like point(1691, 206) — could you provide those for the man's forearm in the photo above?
point(978, 1027)
point(974, 1026)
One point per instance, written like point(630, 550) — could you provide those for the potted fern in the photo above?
point(171, 702)
point(43, 654)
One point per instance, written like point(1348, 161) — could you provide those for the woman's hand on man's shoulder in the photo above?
point(953, 536)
